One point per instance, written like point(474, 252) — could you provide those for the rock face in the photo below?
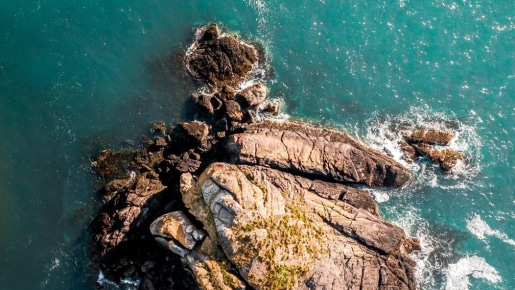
point(317, 152)
point(281, 231)
point(220, 59)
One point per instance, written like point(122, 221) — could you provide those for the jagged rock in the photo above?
point(160, 142)
point(125, 210)
point(430, 136)
point(112, 188)
point(409, 151)
point(183, 163)
point(203, 103)
point(177, 226)
point(312, 151)
point(282, 234)
point(254, 95)
point(446, 158)
point(270, 107)
point(159, 128)
point(220, 59)
point(233, 111)
point(194, 133)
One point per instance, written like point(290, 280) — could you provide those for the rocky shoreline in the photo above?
point(227, 202)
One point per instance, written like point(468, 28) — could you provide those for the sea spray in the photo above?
point(458, 273)
point(383, 132)
point(482, 230)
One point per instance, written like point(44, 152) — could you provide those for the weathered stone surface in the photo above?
point(203, 103)
point(124, 211)
point(409, 151)
point(429, 136)
point(446, 158)
point(282, 234)
point(313, 151)
point(254, 95)
point(194, 132)
point(176, 225)
point(220, 59)
point(233, 111)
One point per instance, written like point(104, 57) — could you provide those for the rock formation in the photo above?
point(317, 152)
point(422, 142)
point(220, 59)
point(266, 205)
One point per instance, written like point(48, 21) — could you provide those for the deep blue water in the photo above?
point(80, 76)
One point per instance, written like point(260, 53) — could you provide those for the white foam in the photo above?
point(458, 274)
point(481, 230)
point(382, 132)
point(124, 283)
point(379, 196)
point(415, 226)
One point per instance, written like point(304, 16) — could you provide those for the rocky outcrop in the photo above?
point(316, 152)
point(281, 233)
point(245, 204)
point(220, 59)
point(430, 136)
point(422, 142)
point(446, 158)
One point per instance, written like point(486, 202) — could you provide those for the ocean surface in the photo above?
point(80, 76)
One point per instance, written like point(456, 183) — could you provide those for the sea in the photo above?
point(77, 77)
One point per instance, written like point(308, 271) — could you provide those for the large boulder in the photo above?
point(281, 231)
point(316, 152)
point(220, 59)
point(254, 95)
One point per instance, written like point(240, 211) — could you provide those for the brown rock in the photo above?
point(312, 151)
point(111, 226)
point(281, 234)
point(233, 111)
point(409, 151)
point(254, 95)
point(183, 163)
point(446, 158)
point(203, 103)
point(220, 59)
point(159, 128)
point(194, 132)
point(176, 225)
point(428, 136)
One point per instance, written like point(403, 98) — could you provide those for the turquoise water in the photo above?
point(78, 76)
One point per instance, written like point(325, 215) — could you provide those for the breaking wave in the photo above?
point(383, 133)
point(458, 273)
point(482, 230)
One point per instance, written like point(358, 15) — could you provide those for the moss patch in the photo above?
point(292, 244)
